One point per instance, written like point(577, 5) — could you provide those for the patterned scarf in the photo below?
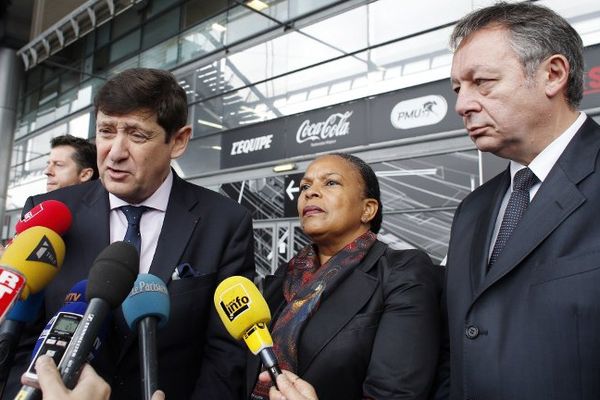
point(306, 284)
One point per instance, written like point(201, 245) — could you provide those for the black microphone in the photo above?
point(109, 282)
point(24, 311)
point(146, 306)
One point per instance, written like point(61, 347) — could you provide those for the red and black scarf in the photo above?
point(306, 284)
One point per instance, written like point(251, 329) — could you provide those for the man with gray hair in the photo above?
point(523, 271)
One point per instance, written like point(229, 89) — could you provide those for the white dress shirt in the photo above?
point(150, 223)
point(541, 166)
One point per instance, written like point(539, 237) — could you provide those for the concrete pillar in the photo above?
point(11, 75)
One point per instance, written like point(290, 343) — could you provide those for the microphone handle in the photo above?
point(29, 393)
point(83, 340)
point(270, 362)
point(10, 332)
point(148, 356)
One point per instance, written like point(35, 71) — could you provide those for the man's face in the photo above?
point(62, 170)
point(133, 158)
point(501, 107)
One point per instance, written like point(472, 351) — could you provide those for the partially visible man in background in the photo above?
point(72, 160)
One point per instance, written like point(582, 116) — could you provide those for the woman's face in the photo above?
point(332, 207)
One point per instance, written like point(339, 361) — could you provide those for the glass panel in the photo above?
point(283, 237)
point(124, 46)
point(427, 182)
point(49, 91)
point(124, 22)
point(243, 23)
point(300, 240)
point(163, 56)
point(301, 7)
point(202, 155)
point(263, 196)
point(157, 6)
point(428, 231)
point(263, 250)
point(163, 27)
point(197, 10)
point(201, 39)
point(102, 35)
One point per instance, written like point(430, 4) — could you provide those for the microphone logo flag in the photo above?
point(11, 285)
point(234, 301)
point(44, 252)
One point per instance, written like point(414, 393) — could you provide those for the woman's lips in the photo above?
point(311, 210)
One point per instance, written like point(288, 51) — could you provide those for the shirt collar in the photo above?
point(543, 162)
point(158, 200)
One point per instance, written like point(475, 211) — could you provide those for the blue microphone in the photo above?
point(146, 307)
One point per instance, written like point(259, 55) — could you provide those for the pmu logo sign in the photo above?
point(421, 111)
point(234, 301)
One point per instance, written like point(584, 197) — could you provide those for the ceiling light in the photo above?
point(217, 27)
point(211, 124)
point(257, 5)
point(284, 167)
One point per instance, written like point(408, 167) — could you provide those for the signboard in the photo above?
point(254, 144)
point(327, 129)
point(291, 188)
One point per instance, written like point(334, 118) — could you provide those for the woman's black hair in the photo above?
point(371, 185)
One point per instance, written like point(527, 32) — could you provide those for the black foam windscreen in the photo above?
point(113, 273)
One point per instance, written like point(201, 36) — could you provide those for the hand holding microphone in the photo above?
point(289, 387)
point(245, 314)
point(146, 306)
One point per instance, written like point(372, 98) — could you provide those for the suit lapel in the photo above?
point(339, 308)
point(556, 199)
point(97, 209)
point(484, 231)
point(178, 226)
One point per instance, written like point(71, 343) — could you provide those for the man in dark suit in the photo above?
point(523, 278)
point(191, 237)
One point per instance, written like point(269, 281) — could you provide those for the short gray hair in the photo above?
point(536, 33)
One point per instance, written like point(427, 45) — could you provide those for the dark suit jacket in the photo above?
point(530, 328)
point(197, 358)
point(377, 334)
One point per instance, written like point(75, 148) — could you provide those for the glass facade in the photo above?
point(242, 66)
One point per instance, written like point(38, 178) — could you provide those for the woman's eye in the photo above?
point(304, 187)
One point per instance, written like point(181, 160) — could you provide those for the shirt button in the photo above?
point(472, 332)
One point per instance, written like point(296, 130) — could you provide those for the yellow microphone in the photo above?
point(245, 314)
point(28, 265)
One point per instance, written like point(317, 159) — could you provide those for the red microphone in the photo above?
point(51, 214)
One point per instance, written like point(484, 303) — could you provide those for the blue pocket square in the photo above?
point(184, 271)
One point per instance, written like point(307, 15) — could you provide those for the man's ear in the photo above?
point(86, 174)
point(556, 72)
point(180, 140)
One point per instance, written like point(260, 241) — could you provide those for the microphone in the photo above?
point(28, 265)
point(245, 314)
point(110, 279)
point(23, 312)
point(74, 303)
point(51, 214)
point(146, 306)
point(55, 337)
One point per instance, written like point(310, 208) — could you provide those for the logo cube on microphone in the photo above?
point(11, 285)
point(234, 301)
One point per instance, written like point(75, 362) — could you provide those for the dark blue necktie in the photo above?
point(517, 204)
point(133, 215)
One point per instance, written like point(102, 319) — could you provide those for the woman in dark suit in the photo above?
point(351, 316)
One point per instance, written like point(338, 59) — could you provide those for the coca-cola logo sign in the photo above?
point(324, 132)
point(421, 111)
